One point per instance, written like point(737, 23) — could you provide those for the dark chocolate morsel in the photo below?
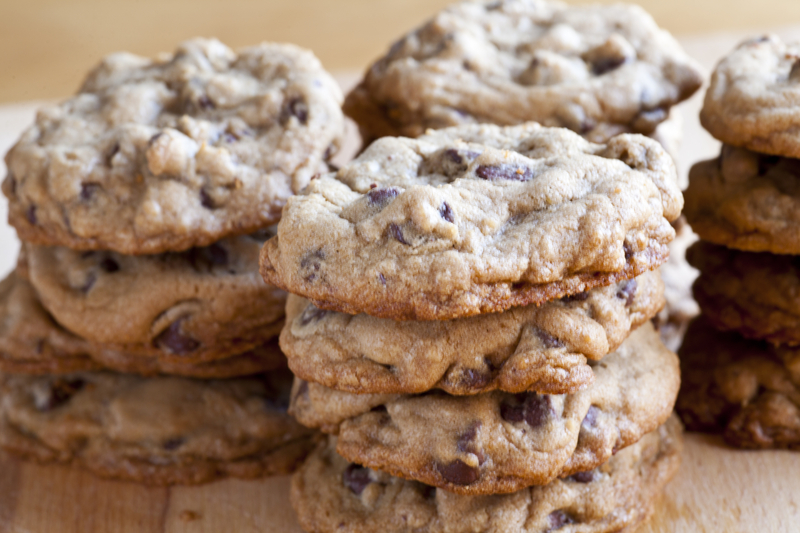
point(504, 172)
point(458, 472)
point(559, 519)
point(397, 232)
point(627, 291)
point(446, 213)
point(356, 478)
point(173, 340)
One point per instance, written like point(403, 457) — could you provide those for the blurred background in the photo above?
point(47, 45)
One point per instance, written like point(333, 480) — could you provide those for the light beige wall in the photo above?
point(47, 45)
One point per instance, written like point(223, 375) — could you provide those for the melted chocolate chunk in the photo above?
point(504, 172)
point(446, 213)
point(312, 314)
point(381, 197)
point(356, 478)
point(628, 291)
point(295, 107)
point(109, 266)
point(469, 379)
point(590, 420)
point(466, 442)
point(626, 248)
point(30, 214)
point(581, 296)
point(206, 200)
point(548, 340)
point(311, 263)
point(559, 519)
point(458, 472)
point(88, 190)
point(173, 444)
point(453, 155)
point(173, 340)
point(381, 278)
point(583, 477)
point(396, 232)
point(532, 408)
point(607, 64)
point(59, 393)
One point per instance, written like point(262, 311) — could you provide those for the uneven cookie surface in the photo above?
point(329, 494)
point(748, 390)
point(163, 155)
point(753, 100)
point(755, 294)
point(199, 305)
point(747, 201)
point(156, 430)
point(544, 349)
point(475, 219)
point(499, 442)
point(598, 70)
point(31, 342)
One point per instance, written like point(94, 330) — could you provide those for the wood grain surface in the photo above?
point(717, 490)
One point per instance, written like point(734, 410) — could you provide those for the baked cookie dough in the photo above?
point(331, 495)
point(753, 100)
point(475, 219)
point(598, 70)
point(755, 294)
point(747, 390)
point(31, 342)
point(499, 442)
point(746, 201)
point(199, 305)
point(544, 349)
point(158, 431)
point(167, 154)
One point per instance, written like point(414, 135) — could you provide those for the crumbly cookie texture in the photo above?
point(498, 442)
point(544, 349)
point(475, 219)
point(157, 431)
point(598, 70)
point(746, 201)
point(199, 305)
point(678, 275)
point(753, 100)
point(181, 151)
point(747, 390)
point(31, 342)
point(755, 294)
point(331, 495)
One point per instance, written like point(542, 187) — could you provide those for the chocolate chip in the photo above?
point(458, 472)
point(466, 442)
point(295, 107)
point(356, 478)
point(548, 340)
point(628, 291)
point(607, 64)
point(30, 214)
point(109, 265)
point(469, 379)
point(173, 340)
point(59, 393)
point(626, 248)
point(382, 279)
point(504, 172)
point(453, 155)
point(532, 408)
point(583, 477)
point(396, 232)
point(311, 263)
point(204, 259)
point(312, 314)
point(91, 278)
point(204, 102)
point(579, 297)
point(559, 519)
point(381, 197)
point(590, 420)
point(446, 213)
point(794, 74)
point(88, 190)
point(173, 444)
point(206, 200)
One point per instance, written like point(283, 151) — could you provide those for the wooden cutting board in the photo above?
point(717, 489)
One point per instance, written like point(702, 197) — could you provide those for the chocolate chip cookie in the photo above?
point(747, 201)
point(598, 70)
point(157, 431)
point(499, 442)
point(199, 305)
point(755, 294)
point(544, 349)
point(167, 154)
point(747, 390)
point(754, 97)
point(31, 342)
point(331, 495)
point(475, 219)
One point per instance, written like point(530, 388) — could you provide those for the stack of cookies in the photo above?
point(136, 335)
point(741, 359)
point(597, 70)
point(464, 324)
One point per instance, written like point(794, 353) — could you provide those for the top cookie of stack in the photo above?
point(165, 155)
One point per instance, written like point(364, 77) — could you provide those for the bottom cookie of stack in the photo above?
point(159, 430)
point(330, 494)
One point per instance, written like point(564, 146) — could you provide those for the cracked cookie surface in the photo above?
point(598, 70)
point(500, 442)
point(330, 494)
point(167, 154)
point(544, 348)
point(159, 431)
point(475, 219)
